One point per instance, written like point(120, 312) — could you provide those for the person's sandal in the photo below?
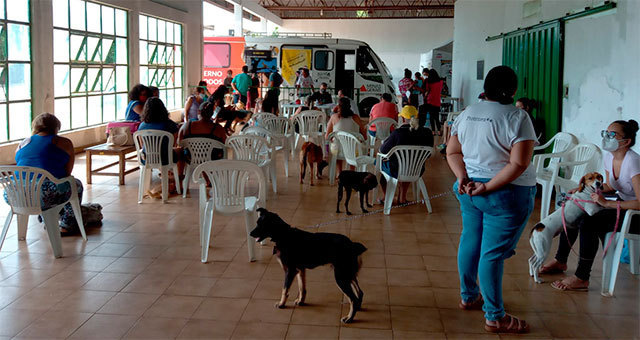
point(559, 285)
point(473, 305)
point(550, 270)
point(508, 324)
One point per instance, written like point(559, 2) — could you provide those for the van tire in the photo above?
point(366, 104)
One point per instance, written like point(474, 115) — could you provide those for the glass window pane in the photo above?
point(93, 17)
point(20, 120)
point(109, 80)
point(152, 57)
point(162, 34)
point(60, 46)
point(121, 22)
point(121, 105)
point(177, 56)
point(171, 76)
point(77, 12)
point(93, 49)
point(63, 112)
point(108, 51)
point(3, 83)
point(18, 42)
point(61, 13)
point(169, 59)
point(19, 82)
point(95, 110)
point(109, 107)
point(178, 34)
point(144, 75)
point(121, 51)
point(153, 29)
point(61, 80)
point(163, 97)
point(18, 10)
point(108, 20)
point(170, 32)
point(171, 100)
point(143, 26)
point(4, 124)
point(93, 79)
point(162, 51)
point(121, 78)
point(177, 94)
point(178, 77)
point(78, 112)
point(143, 52)
point(78, 48)
point(78, 80)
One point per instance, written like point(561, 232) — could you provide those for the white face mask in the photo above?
point(610, 144)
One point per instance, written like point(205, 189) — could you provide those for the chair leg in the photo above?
point(165, 184)
point(273, 174)
point(176, 177)
point(77, 212)
point(205, 231)
point(425, 195)
point(634, 256)
point(610, 265)
point(545, 201)
point(141, 183)
point(391, 191)
point(249, 219)
point(50, 218)
point(23, 222)
point(285, 154)
point(5, 229)
point(332, 169)
point(185, 183)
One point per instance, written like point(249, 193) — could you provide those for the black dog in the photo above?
point(361, 182)
point(298, 250)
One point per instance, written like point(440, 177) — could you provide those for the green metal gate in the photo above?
point(535, 54)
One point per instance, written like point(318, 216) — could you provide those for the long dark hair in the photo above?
point(344, 107)
point(407, 73)
point(433, 77)
point(136, 91)
point(630, 129)
point(154, 111)
point(501, 84)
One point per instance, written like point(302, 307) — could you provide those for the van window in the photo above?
point(217, 55)
point(323, 60)
point(365, 62)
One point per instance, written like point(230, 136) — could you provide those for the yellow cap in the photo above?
point(409, 111)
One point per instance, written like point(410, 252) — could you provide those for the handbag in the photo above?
point(121, 133)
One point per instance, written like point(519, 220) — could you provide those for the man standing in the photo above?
point(228, 79)
point(304, 83)
point(275, 80)
point(240, 85)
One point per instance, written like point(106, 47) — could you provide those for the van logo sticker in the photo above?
point(363, 89)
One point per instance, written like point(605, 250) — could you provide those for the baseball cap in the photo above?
point(408, 111)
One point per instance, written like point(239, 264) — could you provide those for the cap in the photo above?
point(408, 111)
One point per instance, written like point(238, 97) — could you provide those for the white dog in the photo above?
point(544, 231)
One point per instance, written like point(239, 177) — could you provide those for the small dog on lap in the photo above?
point(361, 182)
point(298, 250)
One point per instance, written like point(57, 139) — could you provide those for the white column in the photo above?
point(134, 47)
point(237, 12)
point(263, 23)
point(42, 57)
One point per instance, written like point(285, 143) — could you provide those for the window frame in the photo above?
point(89, 64)
point(332, 59)
point(217, 43)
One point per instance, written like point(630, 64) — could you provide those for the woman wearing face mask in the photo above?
point(192, 104)
point(622, 168)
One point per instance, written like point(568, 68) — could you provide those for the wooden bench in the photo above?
point(111, 150)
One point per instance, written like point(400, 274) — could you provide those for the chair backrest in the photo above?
point(583, 152)
point(257, 131)
point(201, 149)
point(410, 159)
point(563, 141)
point(350, 144)
point(257, 119)
point(278, 126)
point(22, 185)
point(310, 121)
point(229, 178)
point(251, 148)
point(151, 141)
point(383, 127)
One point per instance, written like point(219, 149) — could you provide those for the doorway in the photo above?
point(345, 71)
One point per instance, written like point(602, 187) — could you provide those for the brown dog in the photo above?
point(312, 154)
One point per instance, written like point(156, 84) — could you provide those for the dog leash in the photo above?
point(372, 212)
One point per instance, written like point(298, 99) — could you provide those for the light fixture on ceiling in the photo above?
point(321, 12)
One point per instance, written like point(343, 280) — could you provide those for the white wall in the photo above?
point(189, 14)
point(399, 43)
point(600, 64)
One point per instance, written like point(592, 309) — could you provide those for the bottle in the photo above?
point(427, 124)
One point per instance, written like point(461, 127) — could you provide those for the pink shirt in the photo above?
point(433, 98)
point(383, 109)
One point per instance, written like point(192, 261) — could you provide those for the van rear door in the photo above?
point(324, 67)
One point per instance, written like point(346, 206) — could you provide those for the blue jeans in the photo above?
point(239, 97)
point(491, 227)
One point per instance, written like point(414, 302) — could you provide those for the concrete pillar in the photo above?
point(237, 12)
point(42, 95)
point(263, 24)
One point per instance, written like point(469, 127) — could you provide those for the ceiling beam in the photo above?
point(358, 8)
point(254, 6)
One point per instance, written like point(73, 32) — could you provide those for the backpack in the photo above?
point(277, 79)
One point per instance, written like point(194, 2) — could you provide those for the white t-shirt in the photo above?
point(630, 167)
point(305, 83)
point(487, 131)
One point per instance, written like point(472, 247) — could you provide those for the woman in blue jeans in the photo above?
point(490, 153)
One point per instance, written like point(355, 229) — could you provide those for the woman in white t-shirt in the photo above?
point(490, 153)
point(622, 168)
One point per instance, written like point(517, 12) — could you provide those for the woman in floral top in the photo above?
point(405, 85)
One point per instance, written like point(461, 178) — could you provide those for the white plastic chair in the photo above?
point(411, 159)
point(576, 162)
point(282, 137)
point(257, 150)
point(611, 261)
point(200, 150)
point(23, 186)
point(257, 119)
point(228, 178)
point(383, 130)
point(311, 127)
point(149, 148)
point(353, 149)
point(561, 142)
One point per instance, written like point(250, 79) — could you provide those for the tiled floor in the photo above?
point(139, 276)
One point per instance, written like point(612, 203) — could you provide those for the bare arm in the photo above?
point(138, 108)
point(187, 107)
point(67, 146)
point(361, 127)
point(456, 163)
point(635, 204)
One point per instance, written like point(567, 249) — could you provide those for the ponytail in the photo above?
point(500, 84)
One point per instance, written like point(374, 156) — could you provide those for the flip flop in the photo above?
point(563, 287)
